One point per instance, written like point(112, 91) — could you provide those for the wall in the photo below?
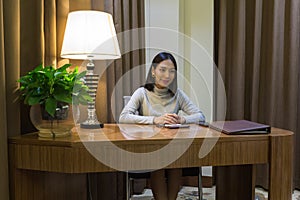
point(163, 18)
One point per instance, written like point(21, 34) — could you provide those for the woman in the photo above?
point(158, 102)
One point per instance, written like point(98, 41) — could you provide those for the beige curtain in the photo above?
point(32, 33)
point(257, 53)
point(4, 194)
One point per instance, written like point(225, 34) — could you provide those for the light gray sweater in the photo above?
point(160, 101)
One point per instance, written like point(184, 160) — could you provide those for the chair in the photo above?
point(130, 176)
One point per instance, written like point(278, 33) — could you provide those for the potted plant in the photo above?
point(53, 90)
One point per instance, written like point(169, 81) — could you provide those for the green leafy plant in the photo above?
point(48, 86)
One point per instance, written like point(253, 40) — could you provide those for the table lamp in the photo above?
point(90, 35)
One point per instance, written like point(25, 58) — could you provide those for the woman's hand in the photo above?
point(169, 119)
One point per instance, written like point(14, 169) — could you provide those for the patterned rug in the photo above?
point(186, 193)
point(191, 193)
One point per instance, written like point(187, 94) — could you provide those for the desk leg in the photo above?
point(235, 182)
point(281, 159)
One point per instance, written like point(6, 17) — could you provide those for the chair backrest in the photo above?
point(126, 100)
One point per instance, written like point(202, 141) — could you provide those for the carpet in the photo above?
point(191, 193)
point(186, 193)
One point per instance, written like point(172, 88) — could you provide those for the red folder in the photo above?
point(240, 127)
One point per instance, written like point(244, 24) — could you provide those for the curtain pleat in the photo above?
point(50, 45)
point(11, 63)
point(253, 60)
point(258, 56)
point(294, 43)
point(9, 68)
point(4, 189)
point(62, 10)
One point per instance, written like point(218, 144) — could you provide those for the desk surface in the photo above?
point(139, 133)
point(71, 155)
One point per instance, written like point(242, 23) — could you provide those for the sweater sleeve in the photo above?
point(128, 114)
point(194, 115)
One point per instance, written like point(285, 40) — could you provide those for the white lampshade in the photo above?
point(90, 35)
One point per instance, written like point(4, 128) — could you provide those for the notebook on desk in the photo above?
point(240, 127)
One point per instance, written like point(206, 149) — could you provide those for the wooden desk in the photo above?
point(31, 156)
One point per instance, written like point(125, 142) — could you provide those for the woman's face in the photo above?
point(164, 73)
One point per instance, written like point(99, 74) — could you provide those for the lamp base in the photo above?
point(91, 126)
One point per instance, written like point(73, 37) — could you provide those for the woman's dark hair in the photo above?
point(150, 81)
